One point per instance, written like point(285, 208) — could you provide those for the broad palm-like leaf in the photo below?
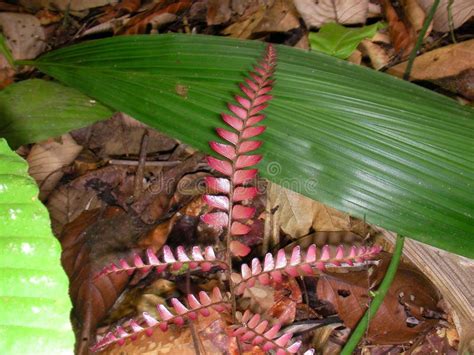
point(355, 139)
point(34, 302)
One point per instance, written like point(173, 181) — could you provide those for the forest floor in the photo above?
point(100, 175)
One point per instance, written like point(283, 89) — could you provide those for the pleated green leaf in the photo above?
point(34, 301)
point(33, 110)
point(358, 140)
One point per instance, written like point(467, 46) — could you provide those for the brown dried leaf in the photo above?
point(92, 241)
point(67, 203)
point(121, 135)
point(24, 36)
point(296, 214)
point(402, 34)
point(218, 12)
point(462, 10)
point(411, 295)
point(138, 24)
point(277, 16)
point(47, 159)
point(379, 58)
point(316, 14)
point(415, 15)
point(439, 63)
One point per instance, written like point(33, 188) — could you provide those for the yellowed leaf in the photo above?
point(47, 159)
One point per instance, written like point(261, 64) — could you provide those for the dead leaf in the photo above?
point(402, 34)
point(66, 203)
point(119, 136)
point(92, 241)
point(439, 63)
point(244, 28)
point(345, 12)
point(278, 16)
point(64, 5)
point(26, 39)
point(47, 159)
point(218, 12)
point(378, 56)
point(356, 57)
point(462, 10)
point(415, 15)
point(138, 24)
point(407, 310)
point(296, 214)
point(47, 17)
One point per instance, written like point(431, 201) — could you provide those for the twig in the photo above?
point(359, 331)
point(147, 163)
point(138, 188)
point(419, 41)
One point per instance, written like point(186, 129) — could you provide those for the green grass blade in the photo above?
point(33, 110)
point(34, 301)
point(355, 139)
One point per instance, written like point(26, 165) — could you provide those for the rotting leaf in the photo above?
point(411, 295)
point(402, 34)
point(47, 159)
point(91, 241)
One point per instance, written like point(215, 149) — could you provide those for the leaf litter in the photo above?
point(98, 215)
point(107, 222)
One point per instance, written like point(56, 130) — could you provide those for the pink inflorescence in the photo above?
point(231, 192)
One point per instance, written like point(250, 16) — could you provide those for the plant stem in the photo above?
point(419, 41)
point(359, 331)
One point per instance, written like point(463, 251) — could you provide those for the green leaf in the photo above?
point(340, 41)
point(355, 139)
point(33, 110)
point(34, 300)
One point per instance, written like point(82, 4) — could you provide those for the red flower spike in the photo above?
point(254, 331)
point(220, 202)
point(147, 323)
point(306, 264)
point(245, 113)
